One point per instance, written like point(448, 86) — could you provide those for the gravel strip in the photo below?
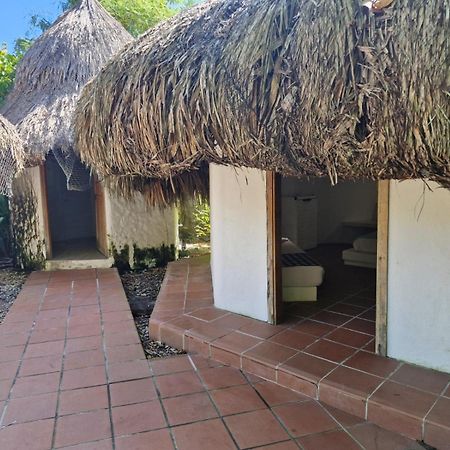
point(11, 282)
point(142, 289)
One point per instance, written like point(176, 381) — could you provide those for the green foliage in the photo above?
point(194, 222)
point(121, 258)
point(8, 64)
point(186, 222)
point(21, 46)
point(138, 16)
point(143, 258)
point(202, 225)
point(146, 258)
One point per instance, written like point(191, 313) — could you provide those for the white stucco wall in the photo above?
point(239, 240)
point(127, 221)
point(29, 184)
point(419, 274)
point(134, 222)
point(346, 201)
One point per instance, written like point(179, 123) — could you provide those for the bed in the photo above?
point(363, 253)
point(301, 274)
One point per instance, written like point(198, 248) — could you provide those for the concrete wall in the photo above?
point(347, 201)
point(136, 223)
point(419, 274)
point(239, 240)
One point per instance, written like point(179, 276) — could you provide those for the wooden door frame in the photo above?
point(274, 289)
point(100, 210)
point(101, 233)
point(45, 213)
point(381, 342)
point(275, 301)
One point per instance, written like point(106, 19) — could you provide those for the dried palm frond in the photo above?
point(164, 192)
point(11, 155)
point(302, 87)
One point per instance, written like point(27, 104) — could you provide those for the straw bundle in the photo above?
point(302, 87)
point(52, 73)
point(11, 155)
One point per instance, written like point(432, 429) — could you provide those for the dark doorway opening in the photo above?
point(71, 215)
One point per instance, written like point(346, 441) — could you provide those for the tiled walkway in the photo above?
point(325, 354)
point(73, 375)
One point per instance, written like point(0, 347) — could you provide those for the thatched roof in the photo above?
point(164, 192)
point(302, 87)
point(52, 73)
point(11, 155)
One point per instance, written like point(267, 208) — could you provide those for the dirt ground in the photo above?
point(11, 282)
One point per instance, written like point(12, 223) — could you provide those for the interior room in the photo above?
point(329, 244)
point(71, 215)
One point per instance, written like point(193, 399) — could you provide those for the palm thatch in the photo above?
point(164, 192)
point(52, 73)
point(302, 87)
point(11, 155)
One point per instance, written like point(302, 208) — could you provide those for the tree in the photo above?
point(8, 63)
point(138, 16)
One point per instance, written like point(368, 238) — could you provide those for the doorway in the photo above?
point(74, 231)
point(328, 258)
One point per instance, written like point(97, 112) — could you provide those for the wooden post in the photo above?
point(100, 218)
point(273, 201)
point(382, 267)
point(44, 199)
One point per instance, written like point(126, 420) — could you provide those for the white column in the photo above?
point(239, 240)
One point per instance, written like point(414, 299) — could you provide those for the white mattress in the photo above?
point(353, 257)
point(300, 276)
point(366, 243)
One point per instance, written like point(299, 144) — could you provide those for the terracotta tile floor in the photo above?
point(83, 390)
point(324, 351)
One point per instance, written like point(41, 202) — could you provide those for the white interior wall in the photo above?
point(346, 201)
point(239, 240)
point(134, 222)
point(419, 274)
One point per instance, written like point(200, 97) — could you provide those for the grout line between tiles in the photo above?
point(71, 295)
point(344, 429)
point(378, 387)
point(105, 356)
point(39, 307)
point(431, 408)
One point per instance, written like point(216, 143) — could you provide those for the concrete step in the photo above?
point(66, 264)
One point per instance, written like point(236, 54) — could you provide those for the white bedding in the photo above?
point(303, 276)
point(366, 243)
point(300, 276)
point(353, 257)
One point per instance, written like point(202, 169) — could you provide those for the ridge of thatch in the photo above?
point(11, 155)
point(301, 87)
point(53, 71)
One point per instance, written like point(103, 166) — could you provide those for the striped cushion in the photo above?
point(297, 259)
